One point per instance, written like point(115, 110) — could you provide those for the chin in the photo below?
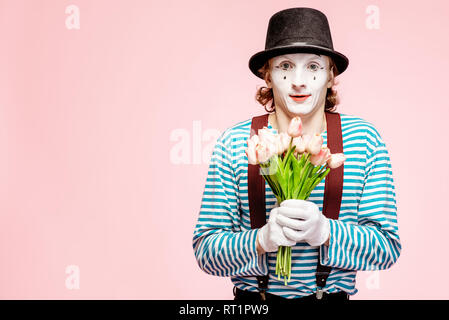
point(300, 109)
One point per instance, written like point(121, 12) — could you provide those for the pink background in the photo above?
point(87, 115)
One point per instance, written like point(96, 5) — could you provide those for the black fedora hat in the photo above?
point(298, 30)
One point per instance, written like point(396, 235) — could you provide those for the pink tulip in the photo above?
point(336, 160)
point(298, 142)
point(277, 146)
point(268, 140)
point(272, 148)
point(255, 139)
point(267, 136)
point(295, 127)
point(283, 142)
point(264, 152)
point(321, 157)
point(315, 143)
point(301, 143)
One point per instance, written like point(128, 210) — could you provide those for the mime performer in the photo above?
point(299, 66)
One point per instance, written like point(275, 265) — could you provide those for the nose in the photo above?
point(298, 80)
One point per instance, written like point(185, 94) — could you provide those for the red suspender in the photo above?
point(256, 193)
point(256, 182)
point(333, 187)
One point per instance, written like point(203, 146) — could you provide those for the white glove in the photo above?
point(302, 220)
point(271, 235)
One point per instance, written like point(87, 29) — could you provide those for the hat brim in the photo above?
point(258, 60)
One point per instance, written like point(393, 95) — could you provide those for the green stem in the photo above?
point(289, 263)
point(277, 263)
point(285, 261)
point(273, 185)
point(316, 182)
point(304, 178)
point(290, 150)
point(280, 256)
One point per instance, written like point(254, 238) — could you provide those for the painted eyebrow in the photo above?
point(311, 58)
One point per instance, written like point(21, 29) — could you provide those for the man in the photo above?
point(299, 66)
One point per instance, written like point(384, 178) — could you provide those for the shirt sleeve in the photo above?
point(221, 248)
point(373, 242)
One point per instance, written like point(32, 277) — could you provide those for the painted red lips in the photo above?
point(299, 98)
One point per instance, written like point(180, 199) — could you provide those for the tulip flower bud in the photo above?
point(284, 142)
point(264, 151)
point(321, 157)
point(336, 160)
point(267, 136)
point(255, 139)
point(314, 146)
point(295, 127)
point(299, 144)
point(251, 151)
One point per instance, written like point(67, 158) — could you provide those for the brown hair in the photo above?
point(264, 94)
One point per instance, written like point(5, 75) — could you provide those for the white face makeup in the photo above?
point(300, 81)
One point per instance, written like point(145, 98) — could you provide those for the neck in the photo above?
point(311, 123)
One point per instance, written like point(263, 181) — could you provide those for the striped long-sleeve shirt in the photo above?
point(365, 237)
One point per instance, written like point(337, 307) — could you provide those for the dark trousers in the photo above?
point(248, 296)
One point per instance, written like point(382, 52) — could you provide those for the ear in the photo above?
point(267, 77)
point(268, 80)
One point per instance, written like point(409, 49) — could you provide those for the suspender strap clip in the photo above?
point(319, 293)
point(262, 282)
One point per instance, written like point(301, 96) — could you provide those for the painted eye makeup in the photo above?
point(317, 67)
point(285, 66)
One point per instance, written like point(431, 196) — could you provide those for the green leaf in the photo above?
point(272, 174)
point(317, 181)
point(305, 177)
point(281, 180)
point(296, 171)
point(301, 168)
point(280, 165)
point(272, 184)
point(287, 157)
point(302, 160)
point(307, 188)
point(325, 173)
point(305, 165)
point(290, 184)
point(315, 170)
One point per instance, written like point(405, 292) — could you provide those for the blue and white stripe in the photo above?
point(365, 237)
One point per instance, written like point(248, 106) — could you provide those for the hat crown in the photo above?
point(297, 30)
point(295, 26)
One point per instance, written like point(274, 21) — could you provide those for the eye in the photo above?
point(285, 65)
point(314, 66)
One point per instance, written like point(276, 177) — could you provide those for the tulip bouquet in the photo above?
point(293, 164)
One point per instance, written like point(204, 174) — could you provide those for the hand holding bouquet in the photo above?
point(293, 164)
